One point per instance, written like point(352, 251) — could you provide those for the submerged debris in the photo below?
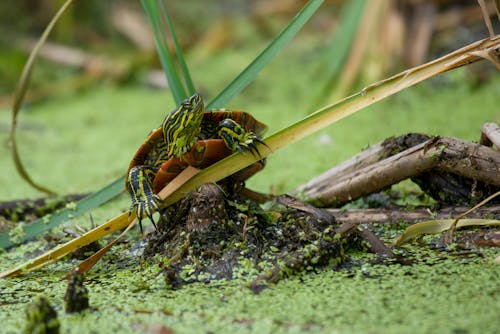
point(77, 296)
point(30, 209)
point(208, 236)
point(41, 318)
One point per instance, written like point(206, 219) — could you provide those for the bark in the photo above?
point(371, 155)
point(448, 155)
point(490, 135)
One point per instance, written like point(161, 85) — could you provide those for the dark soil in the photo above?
point(210, 235)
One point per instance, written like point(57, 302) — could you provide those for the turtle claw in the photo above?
point(239, 139)
point(260, 141)
point(144, 201)
point(146, 206)
point(153, 221)
point(253, 149)
point(249, 145)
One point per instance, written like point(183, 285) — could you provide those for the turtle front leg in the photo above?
point(140, 187)
point(237, 138)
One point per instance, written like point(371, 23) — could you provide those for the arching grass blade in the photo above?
point(19, 94)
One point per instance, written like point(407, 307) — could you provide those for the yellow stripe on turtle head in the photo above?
point(181, 127)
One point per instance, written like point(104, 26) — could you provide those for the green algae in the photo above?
point(444, 295)
point(78, 143)
point(445, 292)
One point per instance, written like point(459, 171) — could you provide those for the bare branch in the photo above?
point(490, 135)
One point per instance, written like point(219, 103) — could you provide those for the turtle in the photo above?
point(189, 136)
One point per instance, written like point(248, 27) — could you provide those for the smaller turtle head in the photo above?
point(182, 126)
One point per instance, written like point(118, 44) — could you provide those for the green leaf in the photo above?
point(336, 54)
point(167, 59)
point(252, 70)
point(28, 231)
point(178, 51)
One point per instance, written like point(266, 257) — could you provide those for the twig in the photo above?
point(388, 216)
point(453, 226)
point(376, 245)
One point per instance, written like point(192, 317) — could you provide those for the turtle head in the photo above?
point(182, 126)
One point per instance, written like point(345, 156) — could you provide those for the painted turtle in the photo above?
point(188, 136)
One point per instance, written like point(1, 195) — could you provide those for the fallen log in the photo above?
point(445, 155)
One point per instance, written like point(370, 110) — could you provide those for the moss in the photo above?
point(76, 297)
point(207, 237)
point(16, 234)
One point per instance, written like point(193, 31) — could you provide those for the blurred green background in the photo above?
point(98, 88)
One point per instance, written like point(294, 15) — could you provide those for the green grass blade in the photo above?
point(166, 58)
point(339, 48)
point(178, 51)
point(252, 70)
point(28, 231)
point(336, 54)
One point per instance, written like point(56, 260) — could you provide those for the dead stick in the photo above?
point(359, 216)
point(371, 155)
point(375, 244)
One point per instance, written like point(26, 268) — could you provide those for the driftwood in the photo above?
point(369, 156)
point(376, 168)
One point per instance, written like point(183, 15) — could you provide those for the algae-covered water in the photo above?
point(444, 295)
point(78, 143)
